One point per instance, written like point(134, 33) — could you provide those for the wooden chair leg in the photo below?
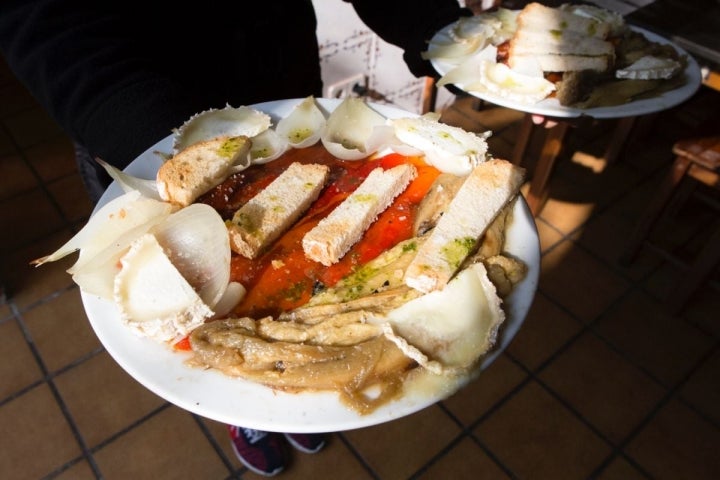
point(646, 223)
point(699, 270)
point(522, 140)
point(619, 137)
point(551, 148)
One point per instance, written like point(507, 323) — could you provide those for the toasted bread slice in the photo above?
point(200, 167)
point(538, 16)
point(488, 188)
point(561, 63)
point(336, 233)
point(268, 214)
point(560, 42)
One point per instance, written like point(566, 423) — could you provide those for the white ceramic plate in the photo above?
point(239, 402)
point(551, 106)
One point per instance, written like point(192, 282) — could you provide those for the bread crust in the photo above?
point(200, 167)
point(333, 236)
point(536, 15)
point(488, 188)
point(272, 211)
point(559, 41)
point(562, 63)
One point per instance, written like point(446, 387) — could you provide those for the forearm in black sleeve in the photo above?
point(86, 69)
point(409, 24)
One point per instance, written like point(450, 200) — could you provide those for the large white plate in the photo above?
point(239, 402)
point(551, 106)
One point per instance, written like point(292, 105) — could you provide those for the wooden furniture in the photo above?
point(554, 136)
point(697, 160)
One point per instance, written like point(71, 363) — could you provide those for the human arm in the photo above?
point(409, 24)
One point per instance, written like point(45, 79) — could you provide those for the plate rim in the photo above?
point(189, 390)
point(551, 107)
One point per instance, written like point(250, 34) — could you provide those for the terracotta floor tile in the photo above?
point(24, 221)
point(466, 460)
point(69, 192)
point(621, 469)
point(79, 471)
point(536, 438)
point(460, 118)
point(678, 444)
point(30, 127)
point(28, 284)
point(549, 236)
point(579, 282)
point(15, 176)
point(168, 445)
point(219, 432)
point(702, 309)
point(586, 179)
point(103, 399)
point(53, 159)
point(662, 345)
point(18, 367)
point(481, 394)
point(566, 216)
point(609, 392)
point(607, 234)
point(546, 328)
point(7, 144)
point(398, 449)
point(36, 437)
point(15, 99)
point(61, 331)
point(333, 462)
point(486, 116)
point(702, 389)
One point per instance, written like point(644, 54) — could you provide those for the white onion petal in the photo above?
point(303, 126)
point(349, 129)
point(195, 240)
point(118, 216)
point(147, 187)
point(267, 147)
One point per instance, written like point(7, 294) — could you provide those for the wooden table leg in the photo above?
point(699, 270)
point(522, 140)
point(551, 148)
point(619, 137)
point(645, 224)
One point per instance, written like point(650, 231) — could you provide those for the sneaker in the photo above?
point(306, 442)
point(262, 452)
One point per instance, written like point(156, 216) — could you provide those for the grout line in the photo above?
point(213, 442)
point(48, 379)
point(358, 456)
point(465, 432)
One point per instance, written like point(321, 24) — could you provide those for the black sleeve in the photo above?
point(81, 64)
point(409, 24)
point(120, 75)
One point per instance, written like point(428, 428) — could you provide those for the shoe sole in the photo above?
point(253, 468)
point(300, 447)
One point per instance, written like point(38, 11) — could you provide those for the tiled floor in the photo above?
point(601, 382)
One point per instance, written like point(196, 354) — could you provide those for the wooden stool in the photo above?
point(536, 195)
point(699, 160)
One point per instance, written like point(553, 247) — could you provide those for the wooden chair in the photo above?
point(536, 195)
point(697, 160)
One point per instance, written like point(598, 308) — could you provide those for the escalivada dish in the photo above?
point(338, 248)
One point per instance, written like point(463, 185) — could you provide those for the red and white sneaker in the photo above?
point(262, 452)
point(306, 442)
